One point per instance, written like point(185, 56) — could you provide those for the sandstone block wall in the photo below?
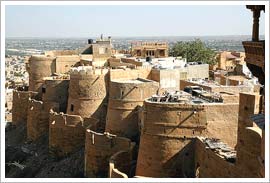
point(38, 118)
point(166, 146)
point(222, 122)
point(144, 73)
point(125, 98)
point(64, 63)
point(214, 88)
point(168, 79)
point(250, 105)
point(120, 165)
point(56, 90)
point(98, 150)
point(20, 104)
point(88, 94)
point(67, 133)
point(62, 52)
point(39, 66)
point(197, 71)
point(209, 164)
point(131, 61)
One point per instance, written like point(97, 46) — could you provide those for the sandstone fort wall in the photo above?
point(20, 104)
point(120, 165)
point(98, 150)
point(56, 90)
point(38, 118)
point(88, 94)
point(125, 97)
point(166, 145)
point(72, 129)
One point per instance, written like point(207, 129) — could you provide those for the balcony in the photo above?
point(254, 53)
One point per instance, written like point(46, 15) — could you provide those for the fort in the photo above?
point(147, 115)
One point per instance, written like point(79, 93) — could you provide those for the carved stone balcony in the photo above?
point(254, 53)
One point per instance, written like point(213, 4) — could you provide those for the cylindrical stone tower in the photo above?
point(124, 98)
point(166, 143)
point(88, 93)
point(39, 66)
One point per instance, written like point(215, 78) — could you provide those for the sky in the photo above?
point(92, 20)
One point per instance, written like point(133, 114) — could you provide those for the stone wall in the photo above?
point(67, 132)
point(64, 63)
point(120, 165)
point(166, 146)
point(38, 118)
point(40, 66)
point(216, 88)
point(131, 61)
point(144, 73)
point(56, 90)
point(62, 52)
point(249, 136)
point(88, 94)
point(98, 150)
point(20, 104)
point(168, 78)
point(125, 98)
point(197, 71)
point(222, 122)
point(209, 164)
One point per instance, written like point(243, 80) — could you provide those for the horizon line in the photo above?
point(78, 37)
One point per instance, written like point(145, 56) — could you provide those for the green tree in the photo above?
point(193, 51)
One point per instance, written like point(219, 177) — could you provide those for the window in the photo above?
point(138, 52)
point(72, 107)
point(43, 90)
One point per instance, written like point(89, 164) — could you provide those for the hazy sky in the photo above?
point(88, 21)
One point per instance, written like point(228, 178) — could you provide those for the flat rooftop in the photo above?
point(220, 148)
point(180, 97)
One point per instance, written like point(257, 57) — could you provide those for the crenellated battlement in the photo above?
point(87, 71)
point(59, 120)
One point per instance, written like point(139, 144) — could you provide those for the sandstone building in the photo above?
point(149, 49)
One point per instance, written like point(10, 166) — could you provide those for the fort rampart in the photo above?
point(20, 104)
point(125, 98)
point(72, 129)
point(38, 118)
point(99, 147)
point(88, 93)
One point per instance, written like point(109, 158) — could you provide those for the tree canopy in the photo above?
point(193, 51)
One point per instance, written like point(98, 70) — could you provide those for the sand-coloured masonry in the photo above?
point(38, 118)
point(56, 90)
point(72, 129)
point(125, 98)
point(20, 104)
point(88, 93)
point(99, 147)
point(39, 66)
point(121, 165)
point(166, 146)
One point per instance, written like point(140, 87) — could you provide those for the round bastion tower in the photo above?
point(125, 96)
point(166, 143)
point(39, 66)
point(88, 93)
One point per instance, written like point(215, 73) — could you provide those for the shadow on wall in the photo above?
point(181, 165)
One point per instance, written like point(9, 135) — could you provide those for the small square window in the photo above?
point(43, 90)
